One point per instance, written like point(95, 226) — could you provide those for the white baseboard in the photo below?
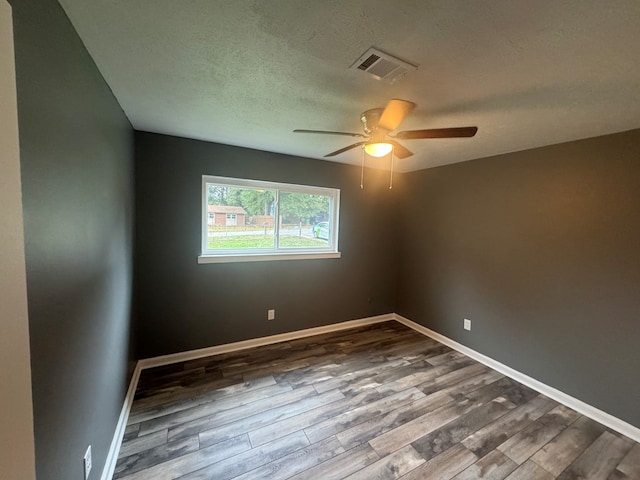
point(258, 342)
point(114, 449)
point(578, 405)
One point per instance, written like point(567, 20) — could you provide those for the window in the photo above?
point(267, 221)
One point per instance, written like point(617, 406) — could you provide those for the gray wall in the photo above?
point(183, 305)
point(76, 150)
point(540, 249)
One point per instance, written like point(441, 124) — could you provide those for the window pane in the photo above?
point(245, 220)
point(304, 220)
point(240, 217)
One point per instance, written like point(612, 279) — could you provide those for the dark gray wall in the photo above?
point(540, 249)
point(183, 305)
point(76, 150)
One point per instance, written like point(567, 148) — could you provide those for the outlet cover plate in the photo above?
point(271, 314)
point(86, 460)
point(467, 324)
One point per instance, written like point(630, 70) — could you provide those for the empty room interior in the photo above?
point(320, 240)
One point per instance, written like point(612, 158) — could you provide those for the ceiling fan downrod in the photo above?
point(362, 170)
point(391, 176)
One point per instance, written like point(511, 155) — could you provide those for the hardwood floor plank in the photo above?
point(630, 464)
point(444, 438)
point(375, 338)
point(146, 459)
point(361, 414)
point(269, 417)
point(489, 437)
point(471, 384)
point(177, 403)
point(303, 363)
point(519, 394)
point(323, 369)
point(445, 465)
point(269, 363)
point(340, 466)
point(493, 466)
point(145, 442)
point(415, 349)
point(529, 470)
point(369, 373)
point(219, 418)
point(527, 442)
point(210, 408)
point(391, 466)
point(161, 378)
point(278, 429)
point(296, 462)
point(130, 432)
point(370, 429)
point(411, 431)
point(446, 357)
point(193, 461)
point(599, 460)
point(618, 475)
point(392, 374)
point(248, 460)
point(453, 378)
point(189, 380)
point(421, 378)
point(180, 392)
point(495, 389)
point(556, 455)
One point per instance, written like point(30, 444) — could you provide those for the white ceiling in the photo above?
point(526, 72)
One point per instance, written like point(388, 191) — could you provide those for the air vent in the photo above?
point(383, 66)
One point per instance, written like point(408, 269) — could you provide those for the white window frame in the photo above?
point(277, 253)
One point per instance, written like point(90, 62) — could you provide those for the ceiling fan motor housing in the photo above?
point(370, 120)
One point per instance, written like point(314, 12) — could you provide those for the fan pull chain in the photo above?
point(362, 171)
point(391, 176)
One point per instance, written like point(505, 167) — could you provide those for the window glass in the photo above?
point(301, 214)
point(265, 218)
point(245, 217)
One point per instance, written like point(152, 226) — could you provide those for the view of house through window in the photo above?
point(253, 217)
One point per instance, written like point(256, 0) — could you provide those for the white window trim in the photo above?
point(240, 255)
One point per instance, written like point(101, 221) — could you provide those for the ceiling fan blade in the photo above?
point(394, 113)
point(438, 133)
point(325, 132)
point(345, 149)
point(400, 151)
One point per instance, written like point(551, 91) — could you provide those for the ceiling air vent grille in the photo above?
point(382, 66)
point(369, 61)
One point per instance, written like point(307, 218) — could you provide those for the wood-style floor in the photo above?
point(378, 402)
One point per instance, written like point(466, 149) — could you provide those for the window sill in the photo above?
point(259, 257)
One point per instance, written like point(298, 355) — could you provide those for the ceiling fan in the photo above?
point(378, 123)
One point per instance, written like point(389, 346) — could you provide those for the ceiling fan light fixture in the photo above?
point(378, 149)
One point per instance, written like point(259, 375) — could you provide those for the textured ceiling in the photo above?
point(527, 73)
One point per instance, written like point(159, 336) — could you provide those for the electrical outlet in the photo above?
point(87, 462)
point(467, 324)
point(271, 314)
